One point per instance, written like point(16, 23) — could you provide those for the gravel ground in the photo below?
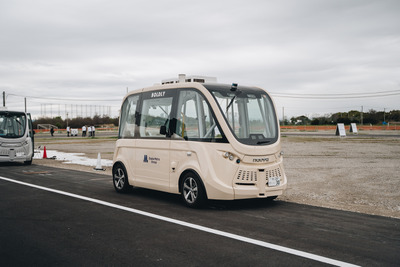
point(358, 174)
point(355, 173)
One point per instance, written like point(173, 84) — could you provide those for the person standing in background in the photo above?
point(83, 131)
point(68, 130)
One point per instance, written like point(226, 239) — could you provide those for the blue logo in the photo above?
point(145, 159)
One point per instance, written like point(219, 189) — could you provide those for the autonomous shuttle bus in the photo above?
point(200, 140)
point(16, 137)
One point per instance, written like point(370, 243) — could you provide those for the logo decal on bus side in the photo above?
point(157, 94)
point(152, 160)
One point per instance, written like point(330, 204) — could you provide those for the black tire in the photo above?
point(120, 178)
point(192, 191)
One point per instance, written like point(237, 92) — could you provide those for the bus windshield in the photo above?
point(249, 113)
point(12, 124)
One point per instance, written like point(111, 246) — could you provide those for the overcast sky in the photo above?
point(315, 56)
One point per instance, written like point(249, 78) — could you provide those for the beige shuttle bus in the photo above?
point(200, 140)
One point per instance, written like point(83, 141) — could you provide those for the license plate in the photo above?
point(274, 181)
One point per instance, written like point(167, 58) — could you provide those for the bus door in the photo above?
point(152, 157)
point(194, 127)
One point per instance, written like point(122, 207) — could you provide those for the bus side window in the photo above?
point(128, 120)
point(155, 113)
point(195, 120)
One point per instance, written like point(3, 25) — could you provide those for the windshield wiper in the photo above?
point(230, 104)
point(233, 98)
point(263, 142)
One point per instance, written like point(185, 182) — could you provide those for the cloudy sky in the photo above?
point(315, 57)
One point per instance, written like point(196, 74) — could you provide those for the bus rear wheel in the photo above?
point(120, 178)
point(192, 191)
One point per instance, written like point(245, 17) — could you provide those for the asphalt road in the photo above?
point(76, 218)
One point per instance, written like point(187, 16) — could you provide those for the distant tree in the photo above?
point(354, 116)
point(343, 120)
point(304, 120)
point(315, 121)
point(393, 116)
point(371, 117)
point(57, 121)
point(76, 122)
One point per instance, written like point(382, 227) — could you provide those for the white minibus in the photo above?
point(16, 137)
point(200, 140)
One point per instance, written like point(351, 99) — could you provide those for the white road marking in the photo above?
point(191, 225)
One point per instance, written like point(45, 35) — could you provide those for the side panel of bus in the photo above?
point(152, 151)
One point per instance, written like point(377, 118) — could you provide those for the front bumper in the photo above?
point(253, 181)
point(15, 154)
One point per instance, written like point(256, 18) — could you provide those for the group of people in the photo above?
point(90, 130)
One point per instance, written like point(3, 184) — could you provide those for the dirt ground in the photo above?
point(355, 173)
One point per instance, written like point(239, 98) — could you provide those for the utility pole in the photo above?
point(384, 110)
point(362, 108)
point(25, 104)
point(283, 115)
point(4, 98)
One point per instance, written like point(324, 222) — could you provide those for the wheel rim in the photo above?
point(119, 178)
point(190, 190)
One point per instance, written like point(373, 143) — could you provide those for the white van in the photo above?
point(16, 137)
point(203, 141)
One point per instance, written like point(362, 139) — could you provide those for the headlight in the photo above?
point(229, 156)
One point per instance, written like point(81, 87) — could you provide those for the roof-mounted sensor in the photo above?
point(234, 87)
point(182, 78)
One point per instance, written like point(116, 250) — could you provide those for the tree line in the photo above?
point(353, 116)
point(371, 117)
point(77, 122)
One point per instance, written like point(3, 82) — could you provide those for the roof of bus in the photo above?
point(201, 86)
point(11, 112)
point(168, 87)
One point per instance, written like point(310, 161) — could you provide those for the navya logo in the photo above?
point(152, 160)
point(157, 94)
point(261, 160)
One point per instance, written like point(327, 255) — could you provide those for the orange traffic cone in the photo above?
point(44, 153)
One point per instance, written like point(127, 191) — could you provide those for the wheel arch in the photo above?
point(118, 162)
point(118, 165)
point(195, 173)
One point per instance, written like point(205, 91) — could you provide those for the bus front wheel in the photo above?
point(192, 191)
